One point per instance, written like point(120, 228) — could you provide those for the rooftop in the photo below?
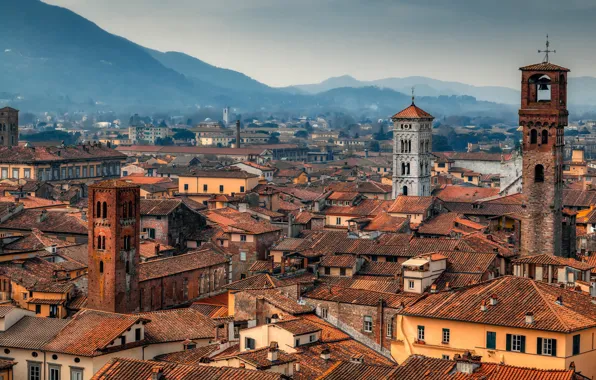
point(412, 112)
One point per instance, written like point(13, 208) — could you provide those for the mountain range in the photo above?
point(54, 59)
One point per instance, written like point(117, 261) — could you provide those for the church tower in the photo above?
point(543, 116)
point(412, 145)
point(9, 127)
point(114, 225)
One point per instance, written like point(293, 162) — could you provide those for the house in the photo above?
point(199, 185)
point(553, 269)
point(169, 221)
point(338, 216)
point(416, 208)
point(265, 172)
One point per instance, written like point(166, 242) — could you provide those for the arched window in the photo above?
point(103, 242)
point(545, 136)
point(98, 210)
point(533, 136)
point(409, 146)
point(98, 242)
point(131, 213)
point(127, 243)
point(125, 211)
point(105, 210)
point(539, 173)
point(408, 167)
point(404, 190)
point(101, 267)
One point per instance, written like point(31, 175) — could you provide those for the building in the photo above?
point(169, 221)
point(543, 116)
point(9, 126)
point(114, 222)
point(146, 133)
point(226, 115)
point(199, 185)
point(412, 157)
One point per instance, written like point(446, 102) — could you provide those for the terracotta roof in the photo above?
point(329, 242)
point(366, 282)
point(544, 66)
point(457, 280)
point(419, 246)
point(348, 371)
point(367, 207)
point(298, 326)
point(479, 242)
point(387, 223)
point(115, 184)
point(264, 266)
point(358, 296)
point(36, 240)
point(339, 261)
point(31, 333)
point(266, 281)
point(182, 263)
point(371, 187)
point(546, 259)
point(419, 367)
point(378, 268)
point(412, 112)
point(258, 358)
point(516, 297)
point(579, 198)
point(132, 369)
point(277, 299)
point(159, 207)
point(453, 193)
point(411, 204)
point(5, 309)
point(210, 310)
point(303, 217)
point(90, 332)
point(266, 212)
point(177, 325)
point(40, 154)
point(292, 244)
point(193, 356)
point(219, 174)
point(53, 221)
point(329, 333)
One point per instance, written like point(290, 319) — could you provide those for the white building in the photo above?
point(412, 157)
point(149, 133)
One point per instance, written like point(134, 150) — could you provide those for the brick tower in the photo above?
point(543, 116)
point(114, 222)
point(412, 145)
point(9, 127)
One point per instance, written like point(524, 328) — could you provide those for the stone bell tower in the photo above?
point(543, 117)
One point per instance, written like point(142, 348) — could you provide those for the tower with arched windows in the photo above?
point(114, 226)
point(412, 146)
point(9, 127)
point(543, 116)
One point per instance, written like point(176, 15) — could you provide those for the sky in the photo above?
point(287, 42)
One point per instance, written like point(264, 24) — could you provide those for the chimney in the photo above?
point(447, 286)
point(493, 300)
point(572, 366)
point(529, 318)
point(559, 300)
point(273, 352)
point(433, 288)
point(42, 216)
point(238, 134)
point(157, 373)
point(483, 306)
point(467, 363)
point(274, 318)
point(157, 249)
point(326, 354)
point(366, 153)
point(241, 365)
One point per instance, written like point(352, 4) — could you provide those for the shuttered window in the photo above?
point(491, 340)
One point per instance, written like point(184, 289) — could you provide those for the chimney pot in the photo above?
point(326, 354)
point(529, 318)
point(559, 300)
point(493, 300)
point(483, 306)
point(433, 288)
point(447, 286)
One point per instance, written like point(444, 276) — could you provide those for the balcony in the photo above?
point(127, 221)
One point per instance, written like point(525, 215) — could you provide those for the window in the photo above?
point(576, 345)
point(446, 335)
point(15, 173)
point(137, 334)
point(539, 173)
point(312, 338)
point(389, 329)
point(4, 173)
point(123, 340)
point(297, 343)
point(78, 172)
point(242, 237)
point(104, 210)
point(533, 136)
point(368, 323)
point(37, 309)
point(342, 271)
point(54, 372)
point(546, 346)
point(441, 164)
point(410, 284)
point(150, 232)
point(421, 333)
point(445, 357)
point(338, 221)
point(221, 188)
point(249, 343)
point(33, 371)
point(242, 189)
point(85, 172)
point(27, 173)
point(25, 295)
point(101, 267)
point(469, 178)
point(324, 313)
point(544, 136)
point(186, 187)
point(491, 340)
point(516, 343)
point(242, 256)
point(327, 270)
point(76, 374)
point(91, 171)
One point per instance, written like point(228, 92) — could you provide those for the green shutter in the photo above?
point(523, 343)
point(576, 344)
point(491, 340)
point(539, 346)
point(554, 347)
point(508, 347)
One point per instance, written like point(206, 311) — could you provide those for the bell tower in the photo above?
point(543, 117)
point(114, 223)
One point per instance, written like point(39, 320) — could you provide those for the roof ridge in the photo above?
point(547, 303)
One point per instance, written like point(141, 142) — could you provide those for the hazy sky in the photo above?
point(284, 42)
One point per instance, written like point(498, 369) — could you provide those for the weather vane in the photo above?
point(545, 60)
point(413, 94)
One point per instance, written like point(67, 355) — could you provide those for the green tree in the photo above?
point(165, 141)
point(374, 146)
point(184, 135)
point(308, 127)
point(273, 140)
point(301, 134)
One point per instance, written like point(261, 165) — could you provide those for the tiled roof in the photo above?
point(258, 358)
point(303, 217)
point(544, 66)
point(31, 333)
point(378, 268)
point(36, 240)
point(516, 297)
point(194, 356)
point(453, 193)
point(266, 212)
point(366, 282)
point(412, 112)
point(218, 174)
point(358, 296)
point(292, 244)
point(329, 242)
point(115, 184)
point(329, 333)
point(457, 280)
point(132, 369)
point(280, 301)
point(181, 263)
point(34, 272)
point(264, 266)
point(177, 325)
point(367, 207)
point(419, 367)
point(411, 204)
point(5, 309)
point(468, 262)
point(53, 221)
point(387, 223)
point(338, 261)
point(348, 371)
point(159, 207)
point(298, 326)
point(579, 198)
point(419, 246)
point(360, 187)
point(39, 154)
point(479, 242)
point(546, 259)
point(210, 310)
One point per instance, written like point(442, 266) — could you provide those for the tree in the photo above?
point(381, 135)
point(184, 135)
point(163, 123)
point(440, 144)
point(584, 131)
point(189, 122)
point(571, 132)
point(308, 127)
point(301, 134)
point(165, 141)
point(343, 134)
point(273, 140)
point(356, 135)
point(374, 146)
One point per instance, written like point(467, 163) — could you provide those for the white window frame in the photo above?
point(516, 343)
point(547, 346)
point(420, 333)
point(411, 284)
point(76, 373)
point(446, 336)
point(389, 332)
point(368, 323)
point(53, 369)
point(324, 312)
point(242, 256)
point(338, 221)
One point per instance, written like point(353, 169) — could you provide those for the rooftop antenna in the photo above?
point(545, 60)
point(413, 95)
